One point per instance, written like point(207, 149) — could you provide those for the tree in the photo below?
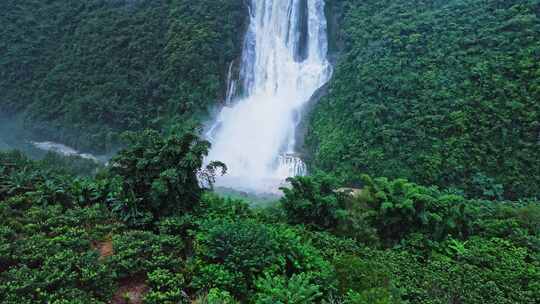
point(402, 208)
point(312, 200)
point(162, 175)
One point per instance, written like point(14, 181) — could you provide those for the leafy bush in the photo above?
point(166, 287)
point(63, 276)
point(210, 276)
point(239, 252)
point(161, 175)
point(216, 296)
point(312, 201)
point(140, 252)
point(244, 247)
point(365, 281)
point(280, 290)
point(403, 207)
point(371, 296)
point(214, 206)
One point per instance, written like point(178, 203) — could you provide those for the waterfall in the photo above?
point(231, 86)
point(284, 61)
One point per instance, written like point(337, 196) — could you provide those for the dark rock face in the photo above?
point(301, 50)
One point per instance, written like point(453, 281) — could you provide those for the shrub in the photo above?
point(166, 288)
point(365, 281)
point(371, 296)
point(281, 290)
point(209, 276)
point(140, 252)
point(312, 200)
point(402, 208)
point(64, 277)
point(245, 246)
point(243, 250)
point(216, 296)
point(161, 175)
point(215, 206)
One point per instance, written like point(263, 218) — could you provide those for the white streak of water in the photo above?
point(231, 86)
point(62, 150)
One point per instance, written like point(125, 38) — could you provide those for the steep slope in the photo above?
point(440, 92)
point(81, 71)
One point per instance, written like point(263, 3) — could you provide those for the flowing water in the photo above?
point(284, 62)
point(62, 150)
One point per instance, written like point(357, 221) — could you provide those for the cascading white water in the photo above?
point(284, 62)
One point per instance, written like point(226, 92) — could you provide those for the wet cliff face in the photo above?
point(334, 11)
point(301, 49)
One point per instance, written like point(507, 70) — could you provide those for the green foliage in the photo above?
point(312, 201)
point(280, 290)
point(486, 187)
point(141, 252)
point(50, 180)
point(166, 288)
point(81, 72)
point(386, 210)
point(46, 255)
point(209, 276)
point(358, 275)
point(485, 271)
point(214, 206)
point(443, 247)
point(247, 247)
point(72, 165)
point(216, 296)
point(236, 253)
point(371, 296)
point(393, 242)
point(65, 275)
point(438, 92)
point(160, 175)
point(403, 208)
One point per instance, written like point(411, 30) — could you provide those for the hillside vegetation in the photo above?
point(433, 112)
point(81, 71)
point(144, 231)
point(440, 92)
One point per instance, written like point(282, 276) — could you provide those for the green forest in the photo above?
point(423, 153)
point(80, 72)
point(144, 231)
point(439, 92)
